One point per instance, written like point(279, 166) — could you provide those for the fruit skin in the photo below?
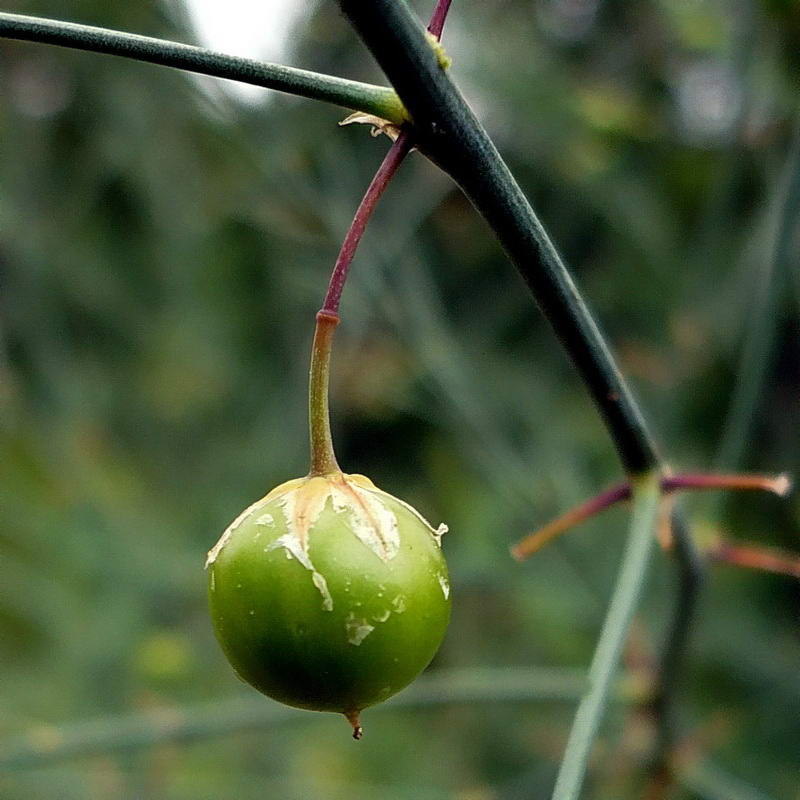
point(329, 594)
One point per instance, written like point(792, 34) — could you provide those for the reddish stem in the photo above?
point(779, 485)
point(536, 541)
point(397, 152)
point(763, 558)
point(323, 457)
point(438, 17)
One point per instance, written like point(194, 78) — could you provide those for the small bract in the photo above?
point(329, 594)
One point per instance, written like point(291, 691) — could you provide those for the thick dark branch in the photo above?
point(446, 130)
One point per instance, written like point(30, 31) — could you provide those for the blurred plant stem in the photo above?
point(50, 743)
point(773, 277)
point(752, 369)
point(710, 782)
point(780, 485)
point(378, 100)
point(627, 590)
point(446, 130)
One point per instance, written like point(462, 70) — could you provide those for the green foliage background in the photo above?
point(163, 249)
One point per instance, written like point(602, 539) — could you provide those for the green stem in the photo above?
point(628, 588)
point(764, 312)
point(323, 458)
point(378, 100)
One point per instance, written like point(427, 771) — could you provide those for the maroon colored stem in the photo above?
point(536, 541)
point(323, 457)
point(767, 559)
point(438, 17)
point(397, 152)
point(779, 485)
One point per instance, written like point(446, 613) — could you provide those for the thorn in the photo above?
point(535, 541)
point(766, 559)
point(779, 484)
point(670, 484)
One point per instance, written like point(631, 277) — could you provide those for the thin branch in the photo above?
point(378, 100)
point(764, 312)
point(780, 485)
point(627, 591)
point(391, 163)
point(708, 781)
point(438, 18)
point(398, 151)
point(767, 559)
point(323, 458)
point(538, 539)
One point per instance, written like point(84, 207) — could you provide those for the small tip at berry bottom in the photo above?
point(353, 719)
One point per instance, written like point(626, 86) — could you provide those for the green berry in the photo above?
point(329, 594)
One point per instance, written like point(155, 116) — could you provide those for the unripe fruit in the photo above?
point(329, 594)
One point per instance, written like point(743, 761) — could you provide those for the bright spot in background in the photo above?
point(709, 100)
point(246, 28)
